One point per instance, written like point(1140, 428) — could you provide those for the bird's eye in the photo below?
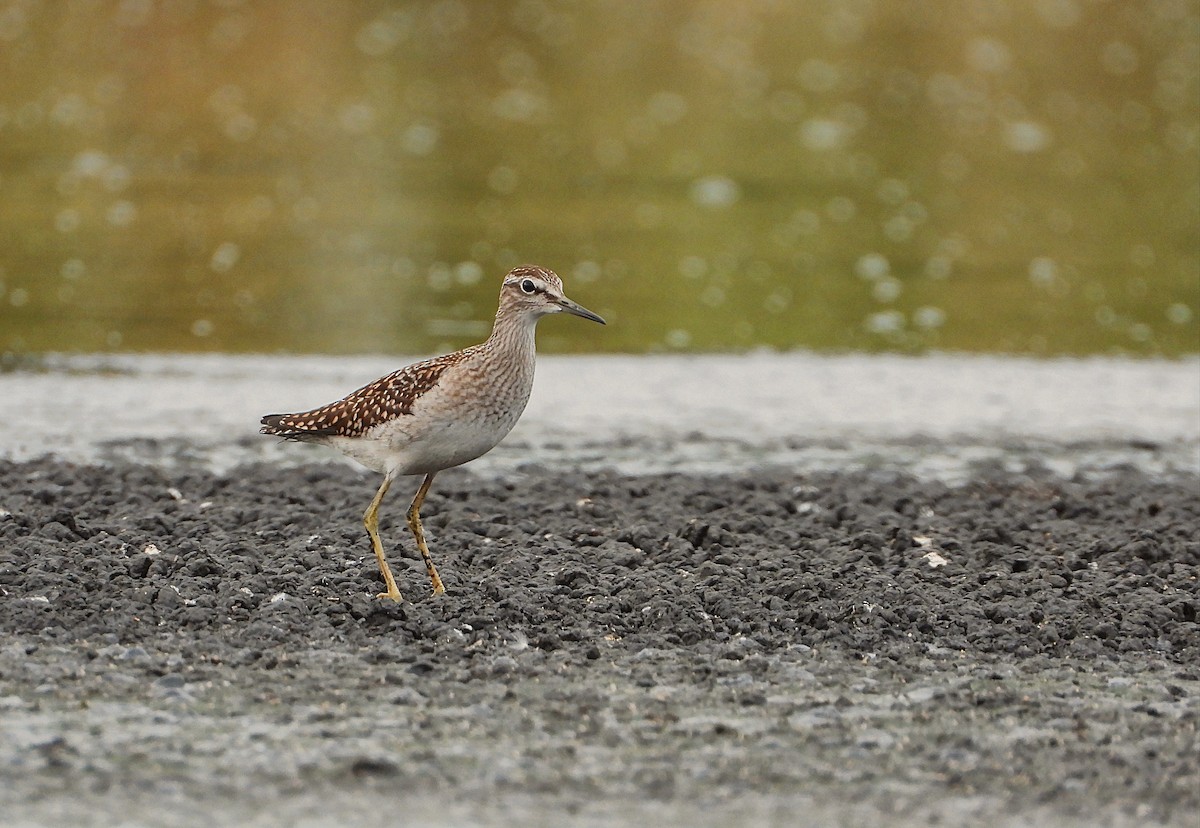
point(528, 286)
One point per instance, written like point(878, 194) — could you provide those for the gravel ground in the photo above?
point(183, 646)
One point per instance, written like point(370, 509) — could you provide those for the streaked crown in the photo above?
point(540, 276)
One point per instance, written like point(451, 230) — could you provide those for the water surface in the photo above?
point(936, 416)
point(1013, 176)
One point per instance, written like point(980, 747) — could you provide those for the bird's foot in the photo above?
point(392, 594)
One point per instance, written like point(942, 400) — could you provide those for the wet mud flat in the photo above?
point(182, 646)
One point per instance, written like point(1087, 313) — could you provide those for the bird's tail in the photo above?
point(283, 425)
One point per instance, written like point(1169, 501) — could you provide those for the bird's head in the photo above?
point(537, 292)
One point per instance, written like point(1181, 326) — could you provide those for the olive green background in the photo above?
point(356, 177)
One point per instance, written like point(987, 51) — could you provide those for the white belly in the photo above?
point(471, 409)
point(428, 441)
point(451, 445)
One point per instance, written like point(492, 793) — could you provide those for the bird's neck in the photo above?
point(513, 332)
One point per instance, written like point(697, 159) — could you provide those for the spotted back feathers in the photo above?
point(382, 400)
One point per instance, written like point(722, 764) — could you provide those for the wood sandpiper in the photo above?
point(441, 412)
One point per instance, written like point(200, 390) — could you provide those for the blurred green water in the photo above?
point(1019, 176)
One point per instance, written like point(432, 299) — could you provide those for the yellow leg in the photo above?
point(371, 521)
point(414, 523)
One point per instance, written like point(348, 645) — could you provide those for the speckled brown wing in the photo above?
point(384, 399)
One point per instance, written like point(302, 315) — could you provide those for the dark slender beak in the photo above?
point(579, 310)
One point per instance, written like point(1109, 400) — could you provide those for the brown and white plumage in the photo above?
point(441, 412)
point(352, 416)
